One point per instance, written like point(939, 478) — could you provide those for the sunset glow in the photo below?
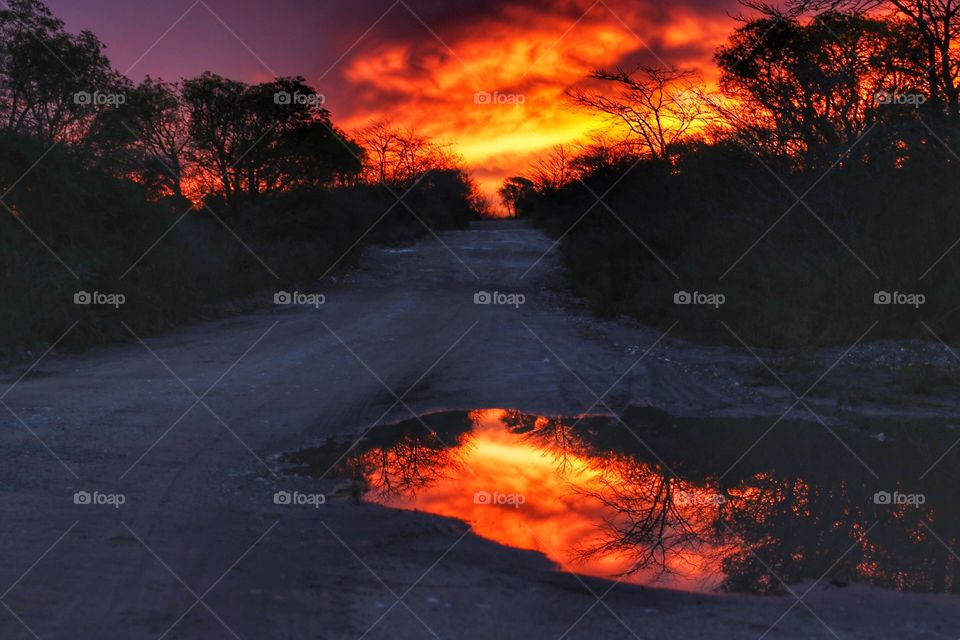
point(489, 310)
point(543, 505)
point(520, 52)
point(419, 67)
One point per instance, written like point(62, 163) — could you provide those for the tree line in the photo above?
point(186, 195)
point(818, 171)
point(222, 136)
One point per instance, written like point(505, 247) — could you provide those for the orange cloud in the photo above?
point(420, 64)
point(495, 89)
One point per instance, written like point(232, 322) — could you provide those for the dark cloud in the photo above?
point(418, 67)
point(307, 37)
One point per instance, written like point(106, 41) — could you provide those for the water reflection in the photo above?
point(676, 501)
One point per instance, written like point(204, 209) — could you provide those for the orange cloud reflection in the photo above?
point(518, 493)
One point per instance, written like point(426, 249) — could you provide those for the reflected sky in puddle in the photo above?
point(693, 504)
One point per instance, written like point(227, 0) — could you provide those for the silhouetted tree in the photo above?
point(936, 26)
point(660, 107)
point(397, 157)
point(52, 83)
point(253, 139)
point(515, 193)
point(808, 90)
point(152, 124)
point(552, 171)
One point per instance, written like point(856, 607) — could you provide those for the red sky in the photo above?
point(417, 63)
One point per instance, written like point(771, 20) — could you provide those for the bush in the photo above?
point(799, 284)
point(101, 227)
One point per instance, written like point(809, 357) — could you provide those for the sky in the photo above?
point(419, 63)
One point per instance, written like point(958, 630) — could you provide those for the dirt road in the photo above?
point(187, 428)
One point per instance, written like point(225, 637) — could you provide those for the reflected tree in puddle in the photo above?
point(401, 460)
point(662, 523)
point(800, 506)
point(553, 436)
point(413, 462)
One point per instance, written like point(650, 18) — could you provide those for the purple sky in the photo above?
point(418, 67)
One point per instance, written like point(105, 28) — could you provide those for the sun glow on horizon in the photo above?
point(521, 53)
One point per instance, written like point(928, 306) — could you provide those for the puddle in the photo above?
point(686, 503)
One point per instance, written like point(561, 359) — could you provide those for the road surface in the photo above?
point(187, 427)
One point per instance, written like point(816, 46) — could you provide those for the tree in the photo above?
point(553, 171)
point(515, 194)
point(936, 24)
point(398, 157)
point(318, 155)
point(52, 83)
point(601, 161)
point(272, 136)
point(806, 90)
point(151, 124)
point(659, 107)
point(217, 131)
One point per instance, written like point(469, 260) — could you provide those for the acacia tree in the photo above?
point(938, 24)
point(215, 112)
point(660, 107)
point(399, 157)
point(601, 160)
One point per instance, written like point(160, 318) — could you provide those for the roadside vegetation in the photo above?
point(817, 182)
point(183, 198)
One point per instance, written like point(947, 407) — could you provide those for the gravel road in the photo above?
point(187, 428)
